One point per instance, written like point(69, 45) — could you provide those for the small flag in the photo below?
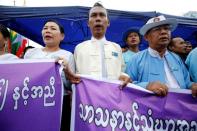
point(17, 43)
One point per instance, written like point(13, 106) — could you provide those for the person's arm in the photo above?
point(190, 62)
point(70, 75)
point(123, 76)
point(194, 89)
point(192, 70)
point(132, 70)
point(71, 64)
point(125, 80)
point(158, 88)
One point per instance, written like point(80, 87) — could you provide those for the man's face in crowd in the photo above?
point(98, 21)
point(178, 45)
point(188, 47)
point(159, 37)
point(133, 39)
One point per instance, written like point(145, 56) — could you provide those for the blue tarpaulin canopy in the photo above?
point(29, 21)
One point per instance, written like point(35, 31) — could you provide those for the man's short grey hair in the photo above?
point(98, 4)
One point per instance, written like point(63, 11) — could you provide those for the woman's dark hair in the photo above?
point(55, 21)
point(4, 31)
point(129, 31)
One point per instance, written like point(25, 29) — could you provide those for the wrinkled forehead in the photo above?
point(177, 41)
point(159, 26)
point(97, 10)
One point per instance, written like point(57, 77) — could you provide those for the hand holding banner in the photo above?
point(30, 96)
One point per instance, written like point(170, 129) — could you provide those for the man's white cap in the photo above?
point(158, 21)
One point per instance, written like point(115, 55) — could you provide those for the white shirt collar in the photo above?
point(170, 79)
point(154, 53)
point(100, 40)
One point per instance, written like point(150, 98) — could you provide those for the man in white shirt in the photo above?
point(98, 57)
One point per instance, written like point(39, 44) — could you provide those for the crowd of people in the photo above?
point(166, 63)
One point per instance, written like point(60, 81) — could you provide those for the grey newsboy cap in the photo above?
point(158, 21)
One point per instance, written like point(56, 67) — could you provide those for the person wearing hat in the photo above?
point(156, 68)
point(132, 39)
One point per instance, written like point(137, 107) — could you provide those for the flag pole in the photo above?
point(24, 3)
point(14, 2)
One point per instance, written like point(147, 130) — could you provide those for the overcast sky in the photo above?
point(173, 7)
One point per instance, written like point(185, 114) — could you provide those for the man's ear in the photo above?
point(6, 40)
point(62, 35)
point(171, 47)
point(108, 23)
point(146, 37)
point(88, 23)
